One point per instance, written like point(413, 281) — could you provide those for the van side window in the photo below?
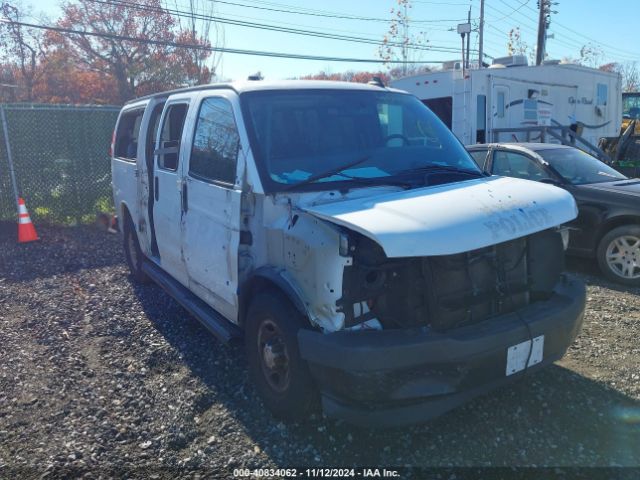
point(170, 136)
point(152, 130)
point(215, 143)
point(126, 144)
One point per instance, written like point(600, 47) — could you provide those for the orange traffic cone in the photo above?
point(26, 230)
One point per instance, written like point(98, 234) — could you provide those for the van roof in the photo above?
point(254, 85)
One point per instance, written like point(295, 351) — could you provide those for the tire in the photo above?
point(132, 251)
point(280, 375)
point(619, 255)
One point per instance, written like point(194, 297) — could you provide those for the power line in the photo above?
point(263, 26)
point(327, 14)
point(615, 48)
point(565, 40)
point(443, 3)
point(513, 11)
point(431, 28)
point(188, 46)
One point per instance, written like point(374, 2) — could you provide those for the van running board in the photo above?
point(224, 330)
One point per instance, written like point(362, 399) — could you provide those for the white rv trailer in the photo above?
point(512, 95)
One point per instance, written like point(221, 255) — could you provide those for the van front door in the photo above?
point(212, 194)
point(167, 204)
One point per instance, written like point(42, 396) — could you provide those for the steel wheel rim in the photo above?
point(274, 356)
point(623, 256)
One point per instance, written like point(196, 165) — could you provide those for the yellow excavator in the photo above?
point(631, 111)
point(624, 151)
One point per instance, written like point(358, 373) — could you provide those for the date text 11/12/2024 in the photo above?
point(316, 473)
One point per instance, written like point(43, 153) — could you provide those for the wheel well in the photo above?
point(260, 283)
point(125, 215)
point(616, 222)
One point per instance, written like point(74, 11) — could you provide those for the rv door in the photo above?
point(500, 113)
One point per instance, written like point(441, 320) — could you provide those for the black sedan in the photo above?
point(608, 223)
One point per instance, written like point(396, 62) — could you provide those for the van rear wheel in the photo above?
point(280, 375)
point(133, 252)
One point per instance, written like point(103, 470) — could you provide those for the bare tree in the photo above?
point(399, 44)
point(517, 46)
point(198, 27)
point(591, 55)
point(629, 73)
point(22, 47)
point(630, 77)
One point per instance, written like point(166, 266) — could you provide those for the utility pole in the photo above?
point(542, 31)
point(481, 34)
point(468, 40)
point(464, 29)
point(405, 40)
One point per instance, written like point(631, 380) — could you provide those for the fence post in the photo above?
point(7, 144)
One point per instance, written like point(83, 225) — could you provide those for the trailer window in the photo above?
point(602, 94)
point(126, 145)
point(500, 105)
point(481, 119)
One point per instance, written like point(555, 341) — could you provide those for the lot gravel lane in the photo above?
point(105, 377)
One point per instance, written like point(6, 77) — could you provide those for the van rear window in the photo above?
point(126, 145)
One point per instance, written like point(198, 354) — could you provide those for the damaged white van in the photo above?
point(347, 235)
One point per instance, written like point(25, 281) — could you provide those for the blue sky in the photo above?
point(609, 25)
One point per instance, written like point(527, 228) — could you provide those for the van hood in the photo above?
point(452, 218)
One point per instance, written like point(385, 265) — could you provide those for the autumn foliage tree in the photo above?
point(107, 52)
point(21, 48)
point(134, 44)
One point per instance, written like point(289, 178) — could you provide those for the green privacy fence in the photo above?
point(61, 161)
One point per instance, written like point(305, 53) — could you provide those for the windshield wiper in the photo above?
point(327, 173)
point(429, 170)
point(443, 168)
point(373, 181)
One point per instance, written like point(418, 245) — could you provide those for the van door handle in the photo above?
point(185, 198)
point(156, 188)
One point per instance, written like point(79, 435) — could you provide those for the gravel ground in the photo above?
point(100, 376)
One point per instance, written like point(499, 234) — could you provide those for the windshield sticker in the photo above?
point(296, 176)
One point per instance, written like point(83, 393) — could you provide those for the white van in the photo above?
point(346, 234)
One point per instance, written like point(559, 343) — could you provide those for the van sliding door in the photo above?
point(167, 205)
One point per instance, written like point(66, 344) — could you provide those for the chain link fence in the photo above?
point(61, 161)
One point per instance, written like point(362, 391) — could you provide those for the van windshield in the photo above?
point(298, 135)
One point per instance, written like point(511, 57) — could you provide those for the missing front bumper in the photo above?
point(395, 377)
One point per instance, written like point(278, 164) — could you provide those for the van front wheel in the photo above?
point(133, 252)
point(281, 376)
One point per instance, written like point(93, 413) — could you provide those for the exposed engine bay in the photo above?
point(448, 291)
